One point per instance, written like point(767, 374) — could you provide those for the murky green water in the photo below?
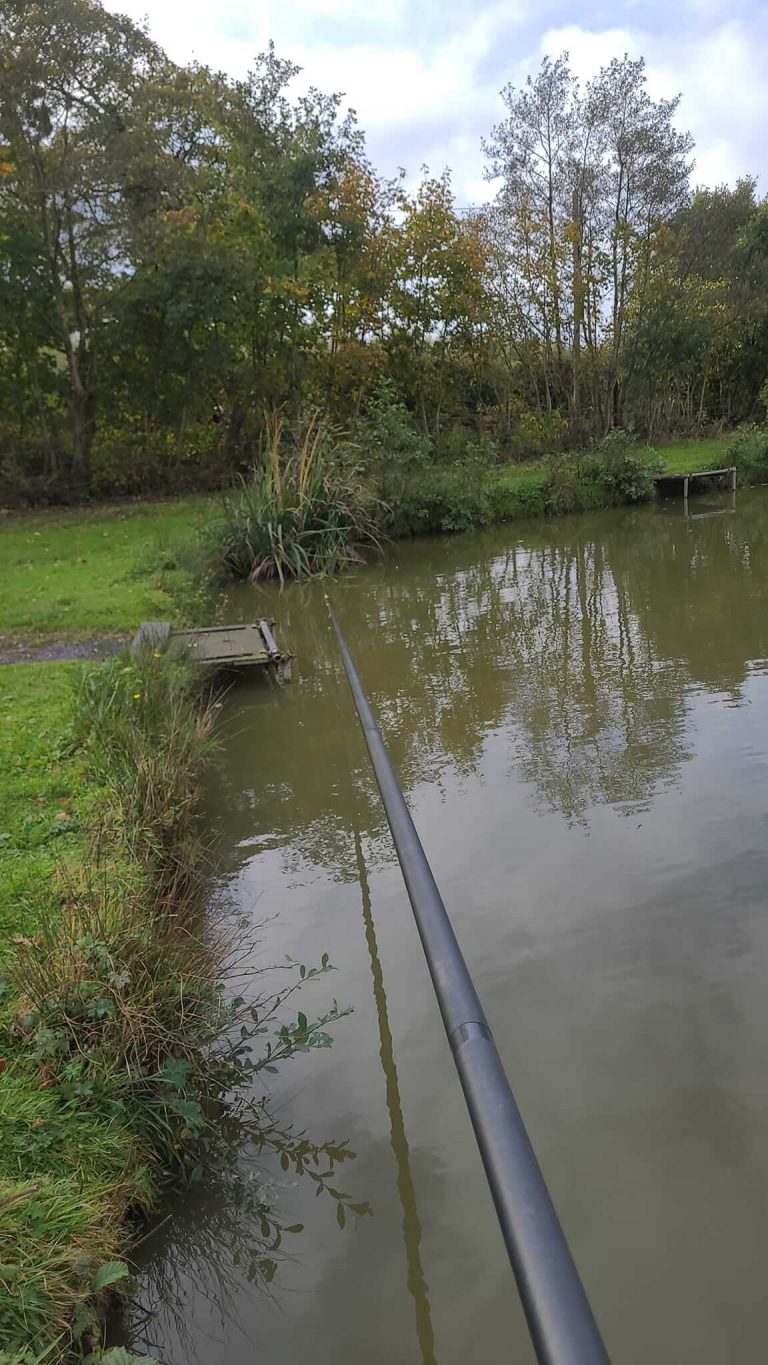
point(577, 712)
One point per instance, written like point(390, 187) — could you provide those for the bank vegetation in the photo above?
point(128, 1066)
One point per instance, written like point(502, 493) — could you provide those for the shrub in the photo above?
point(617, 471)
point(449, 493)
point(536, 434)
point(394, 450)
point(623, 470)
point(129, 460)
point(748, 451)
point(458, 445)
point(439, 485)
point(307, 509)
point(563, 492)
point(442, 498)
point(391, 441)
point(126, 461)
point(525, 498)
point(24, 484)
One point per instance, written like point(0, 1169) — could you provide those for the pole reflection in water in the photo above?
point(417, 1284)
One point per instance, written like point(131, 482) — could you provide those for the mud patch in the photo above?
point(54, 651)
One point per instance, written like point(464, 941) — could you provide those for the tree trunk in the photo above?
point(81, 418)
point(617, 404)
point(578, 311)
point(78, 363)
point(700, 418)
point(553, 255)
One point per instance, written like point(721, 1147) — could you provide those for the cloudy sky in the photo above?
point(424, 75)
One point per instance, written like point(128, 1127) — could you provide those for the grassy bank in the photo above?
point(44, 798)
point(119, 1051)
point(67, 575)
point(678, 457)
point(315, 504)
point(76, 574)
point(97, 802)
point(95, 571)
point(522, 490)
point(692, 457)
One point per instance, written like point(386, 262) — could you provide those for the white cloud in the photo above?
point(393, 86)
point(432, 88)
point(425, 81)
point(589, 51)
point(384, 13)
point(225, 37)
point(725, 102)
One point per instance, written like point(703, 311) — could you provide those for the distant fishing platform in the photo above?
point(671, 485)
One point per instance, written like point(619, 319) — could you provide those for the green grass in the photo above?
point(69, 1165)
point(526, 473)
point(688, 457)
point(43, 795)
point(678, 457)
point(66, 575)
point(93, 572)
point(99, 987)
point(58, 1170)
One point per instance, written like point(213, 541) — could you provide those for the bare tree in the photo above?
point(588, 179)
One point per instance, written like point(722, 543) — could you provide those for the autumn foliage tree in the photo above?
point(182, 253)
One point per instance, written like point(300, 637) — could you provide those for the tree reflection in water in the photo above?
point(564, 641)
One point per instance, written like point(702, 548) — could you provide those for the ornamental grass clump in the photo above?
point(306, 509)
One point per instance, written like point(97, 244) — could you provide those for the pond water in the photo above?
point(577, 713)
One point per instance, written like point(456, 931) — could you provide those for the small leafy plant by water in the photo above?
point(305, 509)
point(748, 451)
point(126, 1065)
point(618, 470)
point(426, 484)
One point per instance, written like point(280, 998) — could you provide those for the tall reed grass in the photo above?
point(145, 722)
point(306, 509)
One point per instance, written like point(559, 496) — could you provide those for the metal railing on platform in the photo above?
point(560, 1319)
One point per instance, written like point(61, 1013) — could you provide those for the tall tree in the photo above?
point(532, 151)
point(646, 173)
point(436, 299)
point(72, 86)
point(588, 179)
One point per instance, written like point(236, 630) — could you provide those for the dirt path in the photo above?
point(52, 651)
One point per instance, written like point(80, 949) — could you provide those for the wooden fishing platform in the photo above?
point(665, 483)
point(219, 647)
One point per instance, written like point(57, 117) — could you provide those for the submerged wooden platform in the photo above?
point(665, 482)
point(246, 646)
